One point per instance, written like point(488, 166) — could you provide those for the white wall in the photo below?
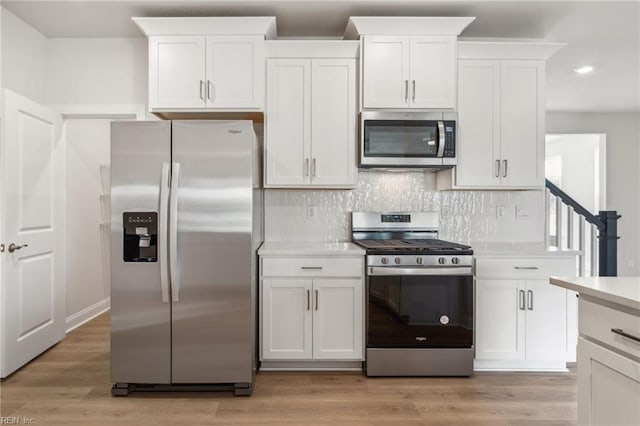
point(24, 58)
point(623, 193)
point(86, 244)
point(97, 71)
point(466, 216)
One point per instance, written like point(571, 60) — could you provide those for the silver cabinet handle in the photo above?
point(202, 90)
point(12, 247)
point(526, 267)
point(1, 248)
point(530, 300)
point(209, 90)
point(406, 90)
point(306, 167)
point(504, 172)
point(308, 300)
point(316, 300)
point(521, 294)
point(313, 168)
point(413, 92)
point(311, 268)
point(627, 335)
point(497, 168)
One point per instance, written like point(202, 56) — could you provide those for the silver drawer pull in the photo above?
point(627, 335)
point(311, 268)
point(526, 267)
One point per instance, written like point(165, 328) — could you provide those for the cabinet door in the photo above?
point(286, 319)
point(478, 123)
point(546, 325)
point(333, 122)
point(386, 72)
point(288, 127)
point(176, 72)
point(522, 120)
point(234, 72)
point(500, 320)
point(608, 386)
point(337, 319)
point(432, 72)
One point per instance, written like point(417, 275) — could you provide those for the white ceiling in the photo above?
point(604, 34)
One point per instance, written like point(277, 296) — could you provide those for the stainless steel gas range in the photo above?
point(419, 296)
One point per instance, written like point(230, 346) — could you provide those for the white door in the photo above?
point(546, 321)
point(177, 72)
point(386, 72)
point(286, 319)
point(478, 123)
point(521, 131)
point(32, 258)
point(233, 72)
point(432, 71)
point(500, 320)
point(333, 122)
point(288, 127)
point(337, 319)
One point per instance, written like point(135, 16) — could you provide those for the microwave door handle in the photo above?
point(441, 139)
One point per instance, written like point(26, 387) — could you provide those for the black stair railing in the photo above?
point(606, 222)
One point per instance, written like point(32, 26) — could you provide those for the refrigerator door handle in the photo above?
point(173, 232)
point(164, 248)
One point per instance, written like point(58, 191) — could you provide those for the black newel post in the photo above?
point(608, 245)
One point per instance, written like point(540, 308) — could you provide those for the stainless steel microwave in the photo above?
point(407, 139)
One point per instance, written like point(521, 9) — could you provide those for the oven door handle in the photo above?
point(393, 271)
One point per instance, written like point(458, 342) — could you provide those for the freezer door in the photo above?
point(212, 325)
point(140, 310)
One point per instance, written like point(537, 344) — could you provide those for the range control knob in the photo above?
point(384, 260)
point(419, 260)
point(397, 260)
point(442, 260)
point(455, 260)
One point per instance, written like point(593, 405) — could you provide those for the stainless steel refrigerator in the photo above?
point(186, 223)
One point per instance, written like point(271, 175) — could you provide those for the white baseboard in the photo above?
point(87, 314)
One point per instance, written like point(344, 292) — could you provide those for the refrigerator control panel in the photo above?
point(140, 236)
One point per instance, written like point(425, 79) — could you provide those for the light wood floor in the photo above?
point(69, 385)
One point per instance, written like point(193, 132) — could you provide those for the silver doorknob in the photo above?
point(12, 247)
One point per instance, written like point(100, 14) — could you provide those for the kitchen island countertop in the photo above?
point(624, 291)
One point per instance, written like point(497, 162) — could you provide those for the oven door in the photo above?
point(419, 307)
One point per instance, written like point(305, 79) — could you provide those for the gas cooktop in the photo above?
point(423, 246)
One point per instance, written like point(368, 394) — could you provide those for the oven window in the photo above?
point(397, 138)
point(420, 311)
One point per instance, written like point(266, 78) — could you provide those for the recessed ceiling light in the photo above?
point(584, 70)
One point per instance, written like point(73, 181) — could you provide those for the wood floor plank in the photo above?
point(70, 385)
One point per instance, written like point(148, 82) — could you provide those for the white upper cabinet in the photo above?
point(310, 119)
point(206, 64)
point(408, 62)
point(500, 139)
point(206, 72)
point(409, 71)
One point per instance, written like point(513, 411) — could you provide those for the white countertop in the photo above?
point(310, 248)
point(621, 290)
point(519, 250)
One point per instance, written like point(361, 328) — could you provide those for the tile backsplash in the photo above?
point(465, 216)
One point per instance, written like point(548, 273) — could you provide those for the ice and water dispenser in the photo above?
point(140, 236)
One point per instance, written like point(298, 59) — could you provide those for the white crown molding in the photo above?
point(227, 25)
point(405, 25)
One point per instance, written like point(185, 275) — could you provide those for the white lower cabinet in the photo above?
point(521, 319)
point(608, 364)
point(313, 316)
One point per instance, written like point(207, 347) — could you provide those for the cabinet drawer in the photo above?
point(524, 267)
point(312, 267)
point(596, 322)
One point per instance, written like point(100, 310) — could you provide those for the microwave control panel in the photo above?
point(449, 139)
